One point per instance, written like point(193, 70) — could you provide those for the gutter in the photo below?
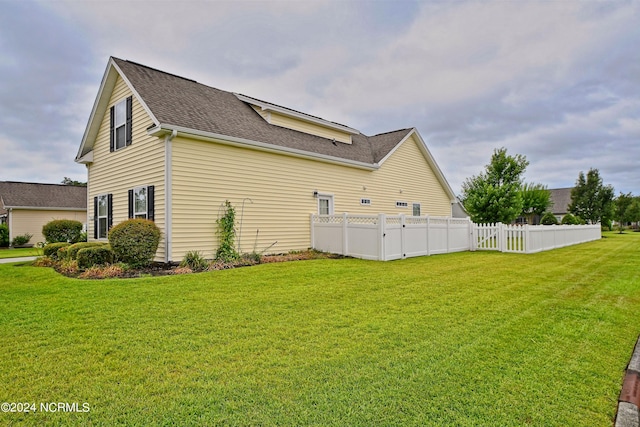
point(164, 129)
point(37, 208)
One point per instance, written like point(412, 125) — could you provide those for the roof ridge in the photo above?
point(159, 71)
point(391, 131)
point(291, 109)
point(38, 183)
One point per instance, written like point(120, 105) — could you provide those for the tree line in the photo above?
point(499, 194)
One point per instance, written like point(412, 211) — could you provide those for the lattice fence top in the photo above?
point(362, 219)
point(327, 219)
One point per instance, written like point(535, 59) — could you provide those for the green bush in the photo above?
point(95, 255)
point(548, 219)
point(226, 234)
point(195, 261)
point(569, 219)
point(51, 250)
point(62, 230)
point(72, 251)
point(23, 239)
point(135, 241)
point(4, 236)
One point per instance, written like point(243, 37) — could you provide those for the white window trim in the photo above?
point(105, 216)
point(120, 104)
point(327, 197)
point(413, 208)
point(144, 212)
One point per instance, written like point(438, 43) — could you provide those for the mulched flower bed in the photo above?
point(160, 269)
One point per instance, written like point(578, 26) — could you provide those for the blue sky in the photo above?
point(556, 81)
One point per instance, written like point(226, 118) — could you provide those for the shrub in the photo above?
point(194, 261)
point(95, 255)
point(548, 219)
point(4, 235)
point(226, 234)
point(72, 251)
point(62, 253)
point(67, 266)
point(51, 250)
point(62, 230)
point(569, 219)
point(97, 272)
point(21, 240)
point(44, 261)
point(135, 241)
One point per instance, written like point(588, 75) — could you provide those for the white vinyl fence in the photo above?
point(388, 237)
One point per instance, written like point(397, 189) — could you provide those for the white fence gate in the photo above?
point(388, 237)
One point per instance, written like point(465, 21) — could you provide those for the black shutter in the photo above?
point(130, 203)
point(95, 217)
point(109, 211)
point(112, 135)
point(129, 119)
point(150, 203)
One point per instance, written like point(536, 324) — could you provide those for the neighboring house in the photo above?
point(167, 148)
point(560, 201)
point(25, 207)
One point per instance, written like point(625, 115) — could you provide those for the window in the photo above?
point(141, 202)
point(366, 202)
point(416, 209)
point(400, 204)
point(325, 204)
point(102, 215)
point(121, 124)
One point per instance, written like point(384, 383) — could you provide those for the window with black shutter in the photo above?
point(121, 124)
point(141, 202)
point(102, 215)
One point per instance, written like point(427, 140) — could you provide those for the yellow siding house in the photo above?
point(167, 148)
point(26, 206)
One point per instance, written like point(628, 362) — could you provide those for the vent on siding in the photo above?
point(366, 202)
point(400, 204)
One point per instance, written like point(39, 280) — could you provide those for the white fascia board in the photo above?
point(101, 103)
point(86, 159)
point(300, 116)
point(430, 160)
point(261, 146)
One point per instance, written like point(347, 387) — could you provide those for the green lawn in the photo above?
point(19, 252)
point(467, 339)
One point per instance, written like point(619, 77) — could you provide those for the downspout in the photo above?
point(167, 195)
point(10, 221)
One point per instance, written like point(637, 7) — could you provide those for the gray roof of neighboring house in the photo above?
point(560, 200)
point(41, 196)
point(178, 101)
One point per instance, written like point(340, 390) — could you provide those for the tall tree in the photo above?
point(591, 200)
point(627, 209)
point(69, 181)
point(535, 200)
point(494, 195)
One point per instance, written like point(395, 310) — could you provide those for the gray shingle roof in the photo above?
point(183, 102)
point(560, 200)
point(33, 195)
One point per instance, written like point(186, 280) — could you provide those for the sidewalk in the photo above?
point(22, 259)
point(628, 411)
